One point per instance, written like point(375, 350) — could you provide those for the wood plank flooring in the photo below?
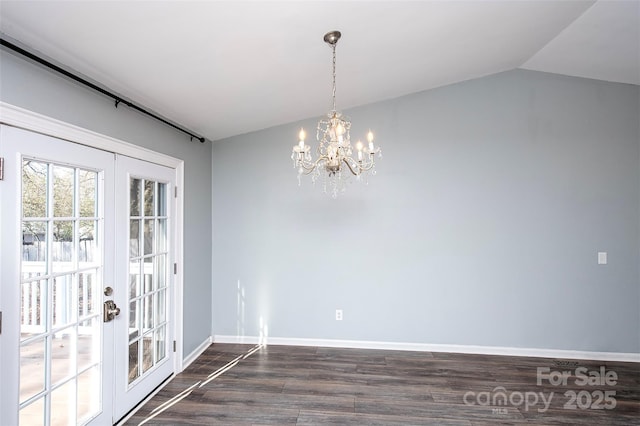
point(291, 385)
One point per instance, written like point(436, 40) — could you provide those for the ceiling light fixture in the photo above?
point(335, 163)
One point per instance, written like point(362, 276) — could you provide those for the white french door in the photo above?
point(85, 257)
point(144, 356)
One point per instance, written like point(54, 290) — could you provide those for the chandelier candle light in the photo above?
point(334, 146)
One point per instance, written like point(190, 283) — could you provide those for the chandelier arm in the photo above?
point(351, 168)
point(367, 166)
point(312, 167)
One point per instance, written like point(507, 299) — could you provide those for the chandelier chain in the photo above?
point(333, 46)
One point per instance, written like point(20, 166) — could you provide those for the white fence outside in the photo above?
point(63, 291)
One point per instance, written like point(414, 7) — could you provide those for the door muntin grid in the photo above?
point(148, 276)
point(61, 274)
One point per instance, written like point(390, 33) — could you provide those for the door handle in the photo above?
point(110, 310)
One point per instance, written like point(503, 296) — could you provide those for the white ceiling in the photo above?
point(223, 68)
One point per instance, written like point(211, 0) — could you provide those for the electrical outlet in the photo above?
point(602, 258)
point(338, 314)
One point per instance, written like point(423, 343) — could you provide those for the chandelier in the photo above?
point(335, 163)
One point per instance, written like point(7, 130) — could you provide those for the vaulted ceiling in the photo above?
point(223, 68)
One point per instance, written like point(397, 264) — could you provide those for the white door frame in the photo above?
point(28, 120)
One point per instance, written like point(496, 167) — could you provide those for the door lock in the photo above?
point(110, 310)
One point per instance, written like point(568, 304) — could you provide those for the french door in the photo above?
point(144, 356)
point(85, 257)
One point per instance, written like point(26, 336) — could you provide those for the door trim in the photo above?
point(28, 120)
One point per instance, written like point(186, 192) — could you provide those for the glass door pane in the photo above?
point(148, 273)
point(61, 327)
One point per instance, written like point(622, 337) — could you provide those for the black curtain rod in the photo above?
point(72, 76)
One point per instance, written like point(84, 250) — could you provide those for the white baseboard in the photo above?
point(426, 347)
point(196, 353)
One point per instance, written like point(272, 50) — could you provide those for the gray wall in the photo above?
point(32, 87)
point(482, 226)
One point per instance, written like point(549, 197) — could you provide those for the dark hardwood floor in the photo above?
point(291, 385)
